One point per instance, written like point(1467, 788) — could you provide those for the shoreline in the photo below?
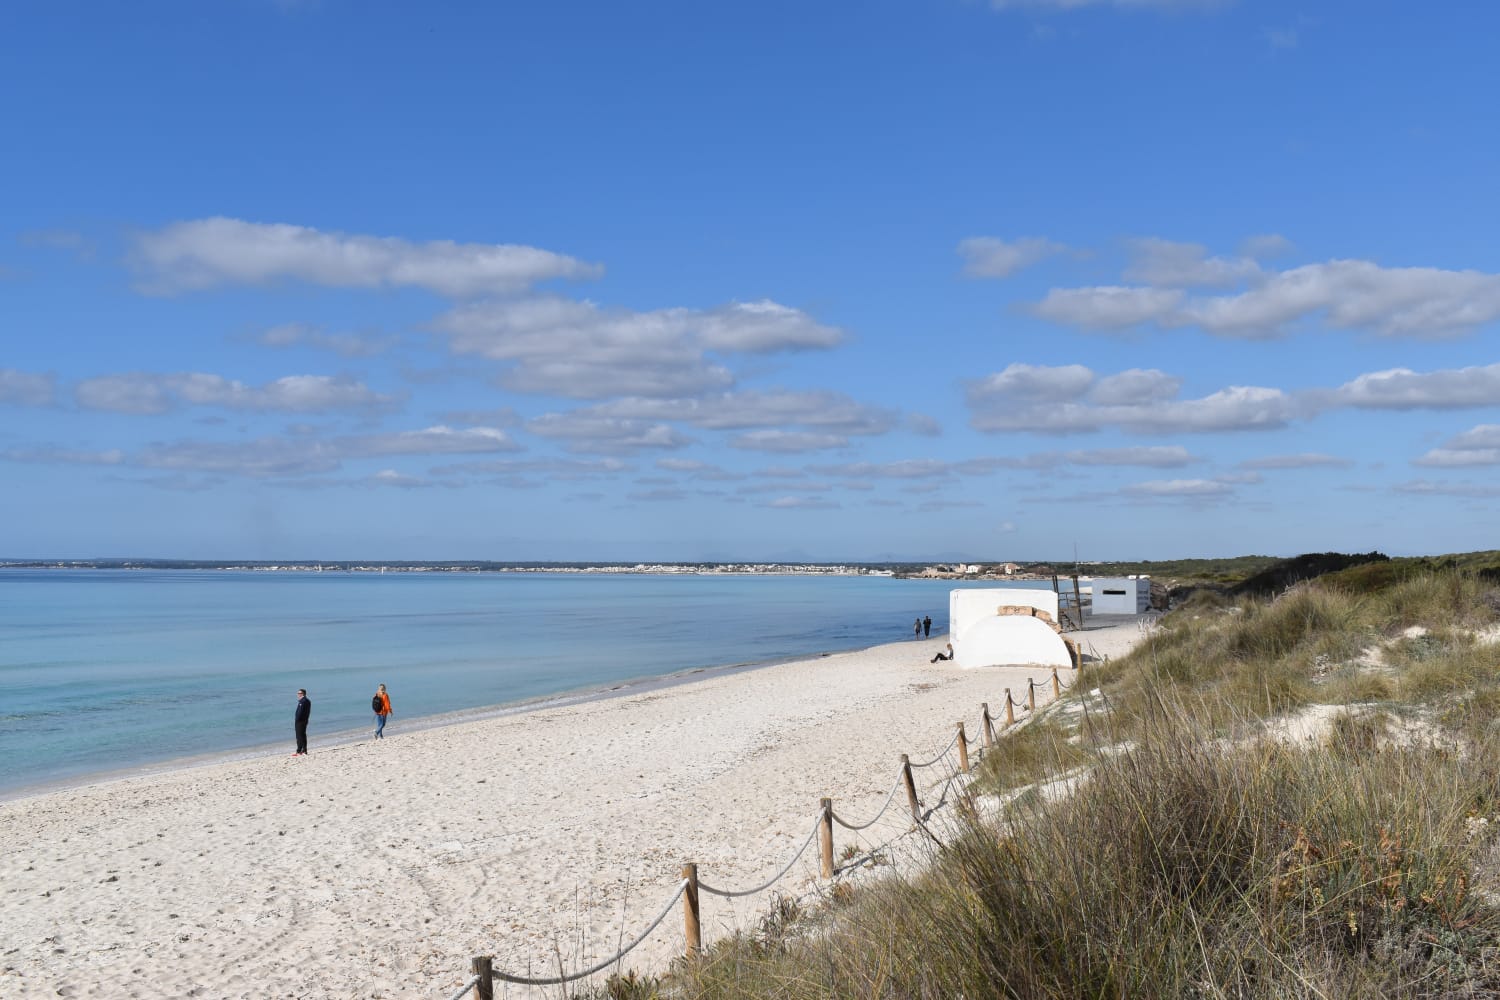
point(347, 737)
point(542, 837)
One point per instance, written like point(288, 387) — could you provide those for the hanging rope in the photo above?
point(466, 987)
point(600, 966)
point(896, 787)
point(941, 754)
point(732, 894)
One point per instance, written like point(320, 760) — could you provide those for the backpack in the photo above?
point(377, 704)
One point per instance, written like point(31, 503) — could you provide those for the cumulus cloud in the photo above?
point(1071, 399)
point(439, 440)
point(1404, 389)
point(1266, 245)
point(922, 424)
point(1162, 456)
point(205, 253)
point(1179, 488)
point(1164, 263)
point(801, 503)
point(1423, 487)
point(787, 441)
point(390, 477)
point(988, 257)
point(27, 388)
point(591, 433)
point(49, 455)
point(1477, 446)
point(1421, 302)
point(579, 350)
point(349, 345)
point(821, 410)
point(1305, 460)
point(146, 392)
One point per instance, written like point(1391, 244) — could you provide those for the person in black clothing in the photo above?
point(926, 626)
point(304, 712)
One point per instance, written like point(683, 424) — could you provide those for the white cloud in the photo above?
point(988, 257)
point(1164, 263)
point(349, 345)
point(1404, 389)
point(922, 424)
point(1266, 245)
point(1062, 400)
point(63, 456)
point(1179, 488)
point(801, 503)
point(1162, 456)
point(787, 441)
point(1135, 387)
point(390, 477)
point(1108, 307)
point(145, 392)
point(205, 253)
point(822, 410)
point(1421, 302)
point(439, 440)
point(26, 388)
point(1305, 460)
point(576, 349)
point(589, 433)
point(1477, 446)
point(1423, 487)
point(911, 468)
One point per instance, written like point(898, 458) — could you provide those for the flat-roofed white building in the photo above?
point(1120, 595)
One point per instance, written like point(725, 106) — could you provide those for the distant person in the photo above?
point(926, 626)
point(304, 712)
point(381, 703)
point(916, 629)
point(943, 655)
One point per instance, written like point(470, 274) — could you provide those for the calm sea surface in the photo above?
point(102, 670)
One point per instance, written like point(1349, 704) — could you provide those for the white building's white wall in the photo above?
point(983, 638)
point(968, 607)
point(1011, 640)
point(1121, 595)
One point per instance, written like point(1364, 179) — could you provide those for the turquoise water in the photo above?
point(108, 669)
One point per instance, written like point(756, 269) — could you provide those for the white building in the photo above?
point(982, 637)
point(1130, 595)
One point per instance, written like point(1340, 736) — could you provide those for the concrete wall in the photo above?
point(1121, 595)
point(982, 638)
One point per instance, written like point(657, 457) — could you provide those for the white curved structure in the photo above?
point(984, 638)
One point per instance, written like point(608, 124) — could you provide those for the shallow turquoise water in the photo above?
point(109, 669)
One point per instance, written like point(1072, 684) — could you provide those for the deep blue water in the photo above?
point(108, 669)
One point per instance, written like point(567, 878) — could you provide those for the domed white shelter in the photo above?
point(1004, 627)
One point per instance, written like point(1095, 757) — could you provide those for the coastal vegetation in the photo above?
point(1289, 794)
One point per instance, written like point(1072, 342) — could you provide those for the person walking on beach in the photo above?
point(926, 626)
point(916, 629)
point(382, 705)
point(304, 712)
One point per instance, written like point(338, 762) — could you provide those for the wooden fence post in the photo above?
point(690, 925)
point(1056, 685)
point(911, 788)
point(963, 748)
point(483, 967)
point(1010, 709)
point(1030, 695)
point(989, 726)
point(825, 838)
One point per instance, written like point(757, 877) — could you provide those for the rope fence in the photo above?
point(481, 983)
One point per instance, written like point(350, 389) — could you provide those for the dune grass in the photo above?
point(1202, 857)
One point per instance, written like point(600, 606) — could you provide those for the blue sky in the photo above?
point(929, 279)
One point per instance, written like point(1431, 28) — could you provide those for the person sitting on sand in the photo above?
point(942, 655)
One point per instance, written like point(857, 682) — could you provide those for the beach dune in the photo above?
point(545, 838)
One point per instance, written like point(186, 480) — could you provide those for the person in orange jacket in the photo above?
point(382, 711)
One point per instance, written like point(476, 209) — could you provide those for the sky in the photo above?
point(889, 280)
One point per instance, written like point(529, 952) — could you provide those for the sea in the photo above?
point(106, 672)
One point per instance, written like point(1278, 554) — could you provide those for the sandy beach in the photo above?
point(378, 869)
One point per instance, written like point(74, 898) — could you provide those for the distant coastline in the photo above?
point(899, 570)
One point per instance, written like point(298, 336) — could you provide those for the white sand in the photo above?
point(380, 869)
